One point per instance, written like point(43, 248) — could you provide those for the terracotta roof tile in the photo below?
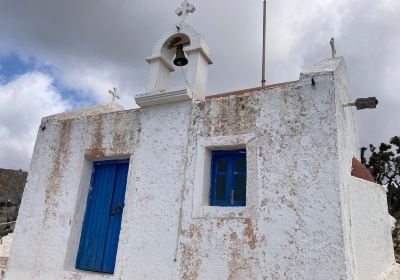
point(249, 90)
point(360, 171)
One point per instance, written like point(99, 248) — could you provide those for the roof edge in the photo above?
point(249, 90)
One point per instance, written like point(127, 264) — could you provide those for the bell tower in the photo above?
point(184, 47)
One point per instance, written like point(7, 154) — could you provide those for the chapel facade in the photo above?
point(252, 184)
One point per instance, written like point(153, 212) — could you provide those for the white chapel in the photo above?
point(260, 183)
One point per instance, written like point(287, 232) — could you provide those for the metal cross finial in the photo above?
point(114, 94)
point(332, 42)
point(185, 9)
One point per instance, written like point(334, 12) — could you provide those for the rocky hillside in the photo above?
point(12, 184)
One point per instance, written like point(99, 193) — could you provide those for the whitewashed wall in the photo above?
point(299, 143)
point(371, 230)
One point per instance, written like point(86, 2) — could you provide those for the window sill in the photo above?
point(221, 212)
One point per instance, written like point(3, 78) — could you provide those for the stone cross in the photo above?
point(114, 94)
point(332, 42)
point(185, 9)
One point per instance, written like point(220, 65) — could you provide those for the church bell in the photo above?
point(180, 58)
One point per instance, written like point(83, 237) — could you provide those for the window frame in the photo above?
point(201, 168)
point(230, 175)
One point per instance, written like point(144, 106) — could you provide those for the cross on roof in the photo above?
point(332, 42)
point(185, 9)
point(114, 94)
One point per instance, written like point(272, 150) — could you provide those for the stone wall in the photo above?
point(5, 245)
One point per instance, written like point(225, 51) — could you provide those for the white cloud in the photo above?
point(99, 44)
point(23, 102)
point(92, 82)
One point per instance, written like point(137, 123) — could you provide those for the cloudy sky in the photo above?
point(60, 55)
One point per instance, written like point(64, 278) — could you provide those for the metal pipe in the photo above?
point(263, 81)
point(363, 103)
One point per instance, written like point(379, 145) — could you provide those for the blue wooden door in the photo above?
point(102, 223)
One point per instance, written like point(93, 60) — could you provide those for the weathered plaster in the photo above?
point(298, 222)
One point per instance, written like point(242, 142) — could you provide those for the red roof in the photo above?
point(249, 90)
point(360, 171)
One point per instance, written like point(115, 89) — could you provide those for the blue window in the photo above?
point(228, 178)
point(102, 223)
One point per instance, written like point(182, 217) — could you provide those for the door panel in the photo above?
point(100, 230)
point(115, 217)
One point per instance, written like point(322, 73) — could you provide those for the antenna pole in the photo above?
point(263, 48)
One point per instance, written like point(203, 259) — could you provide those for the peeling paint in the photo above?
point(190, 262)
point(296, 221)
point(60, 161)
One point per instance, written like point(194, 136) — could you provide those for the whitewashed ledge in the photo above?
point(85, 112)
point(163, 97)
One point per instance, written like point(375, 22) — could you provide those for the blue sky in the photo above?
point(61, 55)
point(13, 66)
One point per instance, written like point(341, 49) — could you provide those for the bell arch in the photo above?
point(161, 62)
point(168, 49)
